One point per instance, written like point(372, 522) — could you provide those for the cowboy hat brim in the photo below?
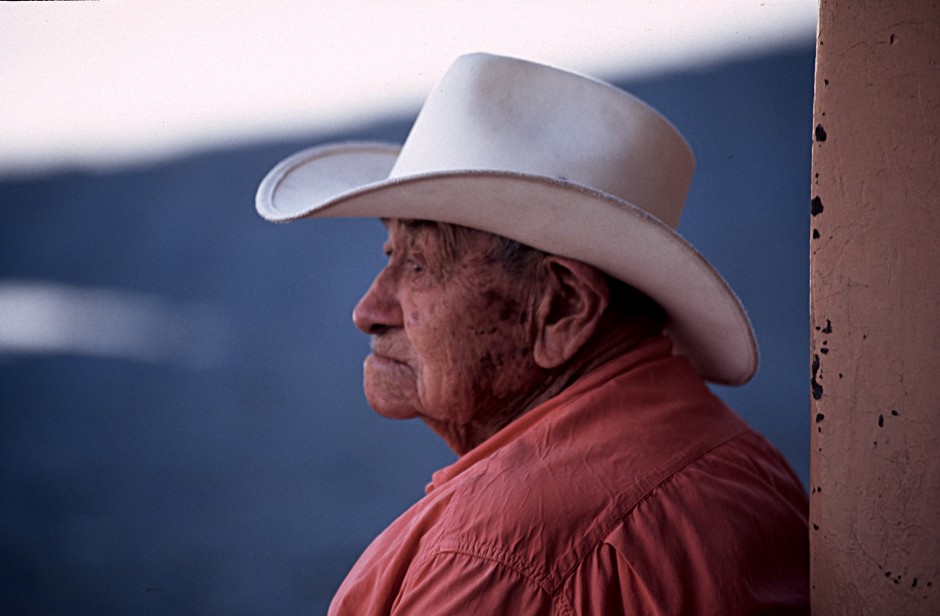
point(706, 319)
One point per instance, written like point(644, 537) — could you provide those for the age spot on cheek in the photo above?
point(509, 310)
point(506, 308)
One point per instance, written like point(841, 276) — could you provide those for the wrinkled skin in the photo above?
point(467, 346)
point(452, 338)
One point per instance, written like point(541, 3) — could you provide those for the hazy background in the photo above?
point(182, 428)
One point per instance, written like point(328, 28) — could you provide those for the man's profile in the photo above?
point(539, 312)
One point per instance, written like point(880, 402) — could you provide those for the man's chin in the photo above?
point(389, 388)
point(392, 412)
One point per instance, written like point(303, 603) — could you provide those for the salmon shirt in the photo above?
point(634, 491)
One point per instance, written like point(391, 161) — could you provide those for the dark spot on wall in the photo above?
point(820, 133)
point(894, 412)
point(892, 39)
point(824, 351)
point(815, 234)
point(815, 526)
point(914, 583)
point(881, 421)
point(817, 388)
point(816, 206)
point(840, 375)
point(825, 81)
point(819, 417)
point(828, 328)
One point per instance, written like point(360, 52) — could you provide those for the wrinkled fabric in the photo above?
point(635, 491)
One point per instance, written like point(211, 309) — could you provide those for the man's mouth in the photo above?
point(385, 349)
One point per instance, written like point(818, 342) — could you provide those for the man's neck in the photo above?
point(613, 338)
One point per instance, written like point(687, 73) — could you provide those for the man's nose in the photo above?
point(378, 309)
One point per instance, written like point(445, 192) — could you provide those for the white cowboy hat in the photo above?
point(555, 160)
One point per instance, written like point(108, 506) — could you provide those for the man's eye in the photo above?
point(416, 267)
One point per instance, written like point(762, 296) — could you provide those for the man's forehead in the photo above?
point(453, 241)
point(410, 225)
point(410, 231)
point(417, 224)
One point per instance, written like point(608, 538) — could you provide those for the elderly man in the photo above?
point(540, 313)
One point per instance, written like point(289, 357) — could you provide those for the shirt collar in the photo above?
point(653, 348)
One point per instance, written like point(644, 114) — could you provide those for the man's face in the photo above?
point(451, 334)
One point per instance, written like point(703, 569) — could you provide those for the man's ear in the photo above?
point(573, 297)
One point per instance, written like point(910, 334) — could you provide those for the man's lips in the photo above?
point(385, 349)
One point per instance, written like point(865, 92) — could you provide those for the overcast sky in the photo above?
point(106, 83)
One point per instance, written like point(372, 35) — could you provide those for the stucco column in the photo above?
point(875, 309)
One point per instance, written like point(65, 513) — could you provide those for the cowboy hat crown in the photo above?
point(552, 159)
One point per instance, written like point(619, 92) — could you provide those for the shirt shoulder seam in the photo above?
point(646, 495)
point(528, 572)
